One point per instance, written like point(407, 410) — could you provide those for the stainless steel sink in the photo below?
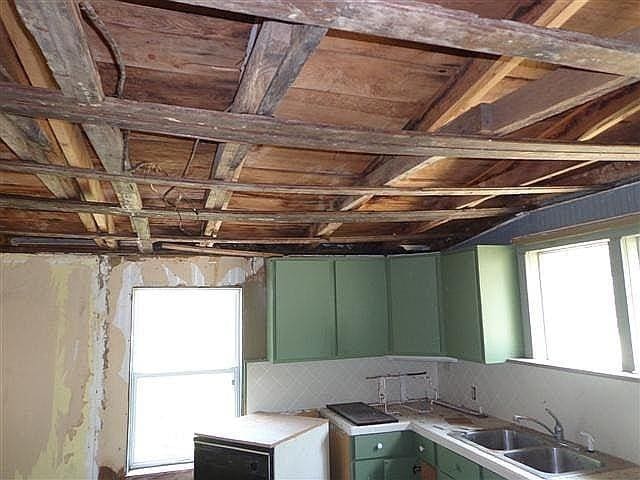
point(503, 439)
point(554, 460)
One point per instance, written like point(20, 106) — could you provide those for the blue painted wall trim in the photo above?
point(618, 201)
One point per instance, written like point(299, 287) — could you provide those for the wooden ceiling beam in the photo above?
point(217, 251)
point(255, 129)
point(278, 55)
point(75, 206)
point(550, 95)
point(261, 188)
point(68, 136)
point(434, 25)
point(406, 239)
point(57, 29)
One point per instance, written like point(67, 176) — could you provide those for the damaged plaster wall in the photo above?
point(65, 323)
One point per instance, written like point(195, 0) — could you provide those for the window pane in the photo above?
point(170, 409)
point(578, 306)
point(184, 329)
point(631, 249)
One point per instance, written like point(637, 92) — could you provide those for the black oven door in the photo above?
point(214, 460)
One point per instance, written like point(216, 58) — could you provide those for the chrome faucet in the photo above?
point(557, 431)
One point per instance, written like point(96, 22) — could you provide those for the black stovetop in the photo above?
point(361, 414)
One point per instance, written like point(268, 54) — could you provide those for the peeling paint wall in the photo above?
point(65, 322)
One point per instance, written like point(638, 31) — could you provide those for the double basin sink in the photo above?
point(533, 452)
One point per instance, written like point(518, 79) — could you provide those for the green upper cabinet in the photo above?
point(361, 307)
point(414, 304)
point(301, 309)
point(481, 304)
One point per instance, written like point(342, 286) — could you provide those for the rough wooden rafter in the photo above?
point(57, 29)
point(260, 188)
point(279, 52)
point(255, 129)
point(434, 25)
point(75, 206)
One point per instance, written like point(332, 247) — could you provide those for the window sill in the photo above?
point(161, 472)
point(629, 377)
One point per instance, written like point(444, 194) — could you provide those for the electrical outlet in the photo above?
point(474, 393)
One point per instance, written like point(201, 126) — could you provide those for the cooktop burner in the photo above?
point(361, 414)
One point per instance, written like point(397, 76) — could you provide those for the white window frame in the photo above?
point(535, 341)
point(133, 377)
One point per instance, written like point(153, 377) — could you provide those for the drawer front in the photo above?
point(489, 475)
point(456, 466)
point(425, 450)
point(368, 470)
point(392, 444)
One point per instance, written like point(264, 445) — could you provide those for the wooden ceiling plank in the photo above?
point(261, 188)
point(552, 94)
point(57, 29)
point(68, 136)
point(256, 129)
point(279, 52)
point(434, 25)
point(76, 206)
point(463, 91)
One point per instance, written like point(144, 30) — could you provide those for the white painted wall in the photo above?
point(297, 386)
point(608, 408)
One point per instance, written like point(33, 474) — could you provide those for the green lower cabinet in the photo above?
point(399, 468)
point(425, 450)
point(443, 476)
point(368, 470)
point(489, 475)
point(456, 466)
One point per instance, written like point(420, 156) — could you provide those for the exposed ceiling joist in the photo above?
point(254, 129)
point(216, 251)
point(226, 186)
point(57, 29)
point(434, 25)
point(406, 239)
point(74, 206)
point(279, 52)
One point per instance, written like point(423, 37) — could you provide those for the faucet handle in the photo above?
point(590, 441)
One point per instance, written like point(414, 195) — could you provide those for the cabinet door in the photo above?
point(399, 468)
point(361, 307)
point(414, 302)
point(303, 310)
point(462, 306)
point(368, 470)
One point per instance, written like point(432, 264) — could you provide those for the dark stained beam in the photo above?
point(261, 188)
point(254, 129)
point(434, 25)
point(279, 52)
point(74, 206)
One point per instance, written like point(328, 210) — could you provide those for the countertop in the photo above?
point(263, 429)
point(439, 423)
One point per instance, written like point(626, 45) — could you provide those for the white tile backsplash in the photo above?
point(606, 407)
point(294, 386)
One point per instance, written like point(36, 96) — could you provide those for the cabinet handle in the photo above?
point(379, 446)
point(421, 448)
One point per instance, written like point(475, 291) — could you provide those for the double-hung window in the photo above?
point(583, 301)
point(185, 370)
